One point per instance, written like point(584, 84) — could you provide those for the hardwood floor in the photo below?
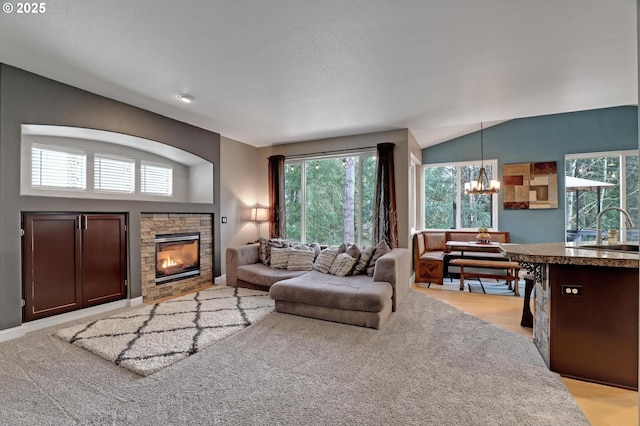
point(602, 405)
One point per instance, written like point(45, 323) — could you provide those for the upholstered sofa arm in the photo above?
point(238, 256)
point(395, 268)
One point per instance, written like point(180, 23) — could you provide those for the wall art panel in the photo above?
point(530, 185)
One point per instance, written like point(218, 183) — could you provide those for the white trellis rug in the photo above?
point(148, 338)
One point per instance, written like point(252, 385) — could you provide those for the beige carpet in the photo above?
point(151, 337)
point(430, 364)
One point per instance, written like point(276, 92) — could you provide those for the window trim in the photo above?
point(460, 189)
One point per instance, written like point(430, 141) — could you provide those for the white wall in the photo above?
point(242, 186)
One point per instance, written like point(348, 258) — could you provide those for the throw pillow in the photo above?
point(279, 258)
point(363, 262)
point(353, 251)
point(316, 248)
point(342, 248)
point(263, 251)
point(381, 249)
point(299, 246)
point(325, 259)
point(279, 243)
point(342, 265)
point(300, 260)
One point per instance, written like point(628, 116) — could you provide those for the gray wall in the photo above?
point(544, 138)
point(26, 98)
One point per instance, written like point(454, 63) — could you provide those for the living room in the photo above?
point(32, 94)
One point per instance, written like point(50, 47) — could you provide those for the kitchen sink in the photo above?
point(633, 248)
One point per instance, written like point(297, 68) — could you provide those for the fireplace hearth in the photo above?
point(177, 256)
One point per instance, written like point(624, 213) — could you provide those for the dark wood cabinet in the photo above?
point(594, 324)
point(72, 261)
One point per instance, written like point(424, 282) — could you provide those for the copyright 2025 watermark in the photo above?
point(24, 8)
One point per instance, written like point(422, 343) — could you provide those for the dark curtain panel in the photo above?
point(385, 215)
point(276, 196)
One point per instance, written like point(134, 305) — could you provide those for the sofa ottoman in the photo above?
point(260, 277)
point(355, 300)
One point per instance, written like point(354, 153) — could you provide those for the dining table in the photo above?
point(462, 246)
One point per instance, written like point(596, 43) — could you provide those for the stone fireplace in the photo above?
point(175, 235)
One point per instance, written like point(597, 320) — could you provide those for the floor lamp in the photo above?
point(259, 215)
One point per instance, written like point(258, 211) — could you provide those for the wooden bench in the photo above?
point(511, 268)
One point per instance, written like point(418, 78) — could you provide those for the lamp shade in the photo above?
point(260, 214)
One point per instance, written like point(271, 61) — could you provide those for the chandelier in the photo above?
point(482, 185)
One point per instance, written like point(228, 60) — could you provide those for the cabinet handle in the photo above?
point(85, 221)
point(79, 222)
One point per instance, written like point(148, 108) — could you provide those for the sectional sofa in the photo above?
point(360, 300)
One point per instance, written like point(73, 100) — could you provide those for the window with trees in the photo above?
point(330, 199)
point(614, 177)
point(446, 204)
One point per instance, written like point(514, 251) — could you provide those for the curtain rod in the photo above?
point(332, 152)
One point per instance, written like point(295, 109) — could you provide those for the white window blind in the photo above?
point(114, 174)
point(58, 167)
point(156, 179)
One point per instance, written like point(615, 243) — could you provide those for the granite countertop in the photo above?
point(569, 254)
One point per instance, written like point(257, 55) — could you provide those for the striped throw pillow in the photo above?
point(325, 259)
point(342, 265)
point(279, 258)
point(300, 260)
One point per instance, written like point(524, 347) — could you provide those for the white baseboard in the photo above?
point(222, 279)
point(135, 302)
point(27, 327)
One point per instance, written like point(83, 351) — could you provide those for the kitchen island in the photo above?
point(586, 310)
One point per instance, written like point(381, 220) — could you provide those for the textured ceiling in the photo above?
point(272, 71)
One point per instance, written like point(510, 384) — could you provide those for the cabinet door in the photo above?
point(594, 333)
point(52, 259)
point(104, 259)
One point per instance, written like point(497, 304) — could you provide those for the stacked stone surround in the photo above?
point(152, 224)
point(542, 325)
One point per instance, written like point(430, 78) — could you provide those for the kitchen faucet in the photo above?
point(628, 222)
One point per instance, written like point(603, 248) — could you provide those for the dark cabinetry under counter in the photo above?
point(72, 261)
point(594, 323)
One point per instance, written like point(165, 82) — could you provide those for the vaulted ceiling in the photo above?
point(272, 71)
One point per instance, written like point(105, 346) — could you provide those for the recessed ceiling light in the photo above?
point(187, 99)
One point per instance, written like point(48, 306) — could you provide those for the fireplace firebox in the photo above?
point(177, 256)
